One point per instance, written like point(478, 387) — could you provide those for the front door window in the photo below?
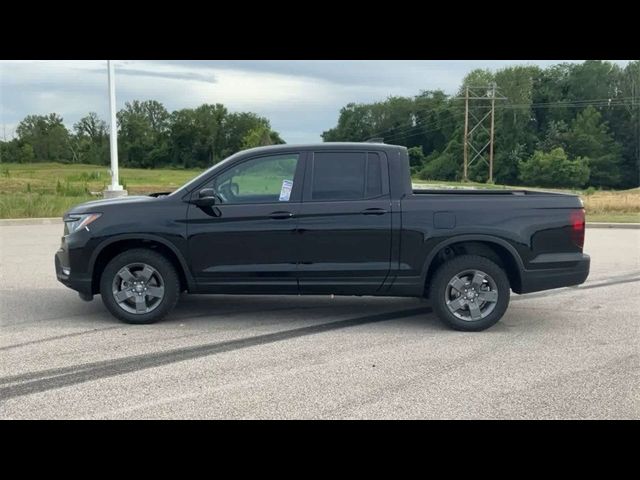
point(259, 180)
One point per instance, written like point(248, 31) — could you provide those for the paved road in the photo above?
point(570, 353)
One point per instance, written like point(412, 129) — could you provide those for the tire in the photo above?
point(478, 305)
point(149, 277)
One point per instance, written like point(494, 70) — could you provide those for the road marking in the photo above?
point(613, 281)
point(58, 337)
point(35, 382)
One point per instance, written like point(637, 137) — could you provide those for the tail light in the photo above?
point(577, 227)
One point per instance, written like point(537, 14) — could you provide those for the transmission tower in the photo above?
point(479, 96)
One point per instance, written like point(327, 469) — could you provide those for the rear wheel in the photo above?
point(139, 286)
point(470, 293)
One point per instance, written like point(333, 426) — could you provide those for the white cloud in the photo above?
point(301, 98)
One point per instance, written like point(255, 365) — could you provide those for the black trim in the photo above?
point(471, 238)
point(549, 278)
point(191, 284)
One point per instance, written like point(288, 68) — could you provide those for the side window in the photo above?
point(338, 176)
point(346, 176)
point(260, 180)
point(374, 175)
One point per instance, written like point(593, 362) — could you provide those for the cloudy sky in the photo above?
point(301, 98)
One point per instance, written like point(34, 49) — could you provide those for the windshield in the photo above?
point(195, 181)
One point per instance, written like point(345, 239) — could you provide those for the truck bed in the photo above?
point(479, 191)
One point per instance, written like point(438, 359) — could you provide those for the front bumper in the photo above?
point(65, 274)
point(565, 271)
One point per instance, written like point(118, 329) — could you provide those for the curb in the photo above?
point(58, 220)
point(30, 221)
point(612, 225)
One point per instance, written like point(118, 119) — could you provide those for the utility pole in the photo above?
point(493, 115)
point(636, 103)
point(4, 135)
point(466, 132)
point(475, 93)
point(115, 189)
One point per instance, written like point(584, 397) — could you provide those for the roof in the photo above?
point(321, 146)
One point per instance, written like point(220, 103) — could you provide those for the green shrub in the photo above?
point(439, 167)
point(554, 169)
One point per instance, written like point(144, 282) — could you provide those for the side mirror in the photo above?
point(206, 198)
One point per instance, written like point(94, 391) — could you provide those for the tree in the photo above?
point(590, 110)
point(9, 151)
point(257, 137)
point(90, 142)
point(416, 156)
point(554, 169)
point(26, 154)
point(555, 136)
point(143, 134)
point(625, 125)
point(446, 165)
point(515, 129)
point(197, 136)
point(47, 136)
point(589, 137)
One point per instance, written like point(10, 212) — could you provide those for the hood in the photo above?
point(97, 205)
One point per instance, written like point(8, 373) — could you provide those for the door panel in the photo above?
point(345, 245)
point(244, 249)
point(248, 247)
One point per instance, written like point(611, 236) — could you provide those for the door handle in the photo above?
point(374, 211)
point(281, 215)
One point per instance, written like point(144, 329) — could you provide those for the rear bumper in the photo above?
point(563, 271)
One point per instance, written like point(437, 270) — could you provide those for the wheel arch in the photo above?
point(116, 245)
point(494, 248)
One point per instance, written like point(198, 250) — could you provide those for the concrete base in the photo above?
point(107, 193)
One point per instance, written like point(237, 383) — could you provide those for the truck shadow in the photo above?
point(267, 310)
point(61, 308)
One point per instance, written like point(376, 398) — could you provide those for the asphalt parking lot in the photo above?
point(568, 353)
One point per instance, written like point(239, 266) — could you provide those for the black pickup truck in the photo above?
point(331, 218)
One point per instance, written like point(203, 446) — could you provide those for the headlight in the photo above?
point(75, 222)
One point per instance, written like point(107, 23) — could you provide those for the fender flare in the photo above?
point(472, 238)
point(143, 236)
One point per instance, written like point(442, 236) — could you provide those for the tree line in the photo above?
point(148, 137)
point(568, 125)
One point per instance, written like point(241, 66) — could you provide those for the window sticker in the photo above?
point(285, 191)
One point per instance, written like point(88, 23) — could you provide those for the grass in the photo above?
point(614, 217)
point(50, 189)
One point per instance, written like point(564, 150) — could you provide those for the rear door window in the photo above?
point(346, 176)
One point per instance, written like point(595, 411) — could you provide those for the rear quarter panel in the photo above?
point(531, 224)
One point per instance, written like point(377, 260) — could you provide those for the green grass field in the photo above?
point(50, 189)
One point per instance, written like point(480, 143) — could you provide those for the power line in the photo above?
point(406, 126)
point(414, 134)
point(396, 136)
point(409, 126)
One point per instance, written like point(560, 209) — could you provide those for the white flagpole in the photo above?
point(115, 189)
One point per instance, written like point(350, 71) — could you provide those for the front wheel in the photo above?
point(139, 286)
point(470, 293)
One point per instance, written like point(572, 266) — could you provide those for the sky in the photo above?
point(301, 98)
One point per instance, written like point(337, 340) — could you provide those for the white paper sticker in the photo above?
point(285, 191)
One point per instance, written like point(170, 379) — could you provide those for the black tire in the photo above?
point(158, 262)
point(440, 284)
